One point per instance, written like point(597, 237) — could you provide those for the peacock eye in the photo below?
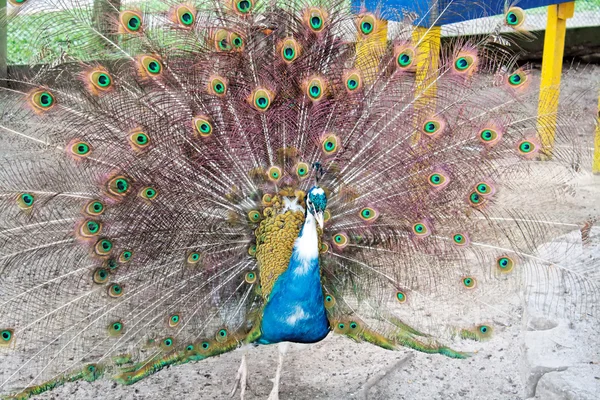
point(190, 347)
point(289, 50)
point(6, 336)
point(90, 228)
point(437, 179)
point(340, 240)
point(463, 63)
point(488, 136)
point(274, 173)
point(100, 80)
point(421, 229)
point(353, 82)
point(174, 320)
point(167, 343)
point(115, 290)
point(103, 247)
point(185, 16)
point(221, 335)
point(330, 144)
point(205, 345)
point(484, 330)
point(222, 38)
point(368, 214)
point(316, 19)
point(315, 89)
point(469, 282)
point(353, 325)
point(517, 79)
point(261, 99)
point(100, 276)
point(367, 24)
point(193, 258)
point(302, 170)
point(41, 100)
point(254, 216)
point(151, 65)
point(243, 6)
point(405, 58)
point(118, 186)
point(431, 127)
point(115, 329)
point(252, 250)
point(125, 256)
point(81, 149)
point(329, 301)
point(476, 200)
point(131, 21)
point(25, 201)
point(94, 207)
point(484, 189)
point(250, 277)
point(217, 86)
point(526, 147)
point(505, 264)
point(202, 126)
point(148, 193)
point(515, 17)
point(401, 297)
point(460, 239)
point(236, 40)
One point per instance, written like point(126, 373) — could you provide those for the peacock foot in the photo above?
point(241, 379)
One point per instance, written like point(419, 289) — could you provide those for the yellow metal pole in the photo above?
point(369, 51)
point(554, 43)
point(596, 162)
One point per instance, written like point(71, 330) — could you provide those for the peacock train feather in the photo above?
point(206, 174)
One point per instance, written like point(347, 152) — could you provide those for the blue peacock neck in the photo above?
point(295, 311)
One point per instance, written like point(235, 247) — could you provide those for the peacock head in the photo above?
point(316, 202)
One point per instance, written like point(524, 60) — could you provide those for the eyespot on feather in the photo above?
point(330, 144)
point(460, 239)
point(202, 126)
point(261, 99)
point(367, 24)
point(183, 15)
point(94, 207)
point(25, 201)
point(368, 214)
point(90, 228)
point(118, 186)
point(217, 85)
point(79, 149)
point(505, 264)
point(421, 229)
point(41, 100)
point(315, 19)
point(150, 66)
point(221, 40)
point(242, 7)
point(514, 17)
point(353, 81)
point(289, 50)
point(115, 290)
point(315, 88)
point(528, 148)
point(329, 301)
point(404, 54)
point(130, 22)
point(340, 240)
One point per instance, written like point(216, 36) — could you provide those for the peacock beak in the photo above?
point(319, 218)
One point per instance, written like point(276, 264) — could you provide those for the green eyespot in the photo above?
point(6, 337)
point(469, 282)
point(90, 228)
point(505, 264)
point(243, 6)
point(139, 140)
point(25, 201)
point(118, 186)
point(94, 207)
point(148, 193)
point(367, 24)
point(222, 40)
point(340, 240)
point(431, 127)
point(401, 297)
point(217, 86)
point(115, 329)
point(100, 79)
point(185, 16)
point(330, 144)
point(476, 200)
point(463, 63)
point(174, 320)
point(420, 229)
point(515, 17)
point(329, 301)
point(100, 276)
point(405, 58)
point(460, 239)
point(250, 277)
point(368, 214)
point(526, 147)
point(131, 21)
point(152, 66)
point(81, 149)
point(193, 258)
point(254, 216)
point(221, 335)
point(167, 344)
point(353, 80)
point(125, 256)
point(517, 79)
point(103, 247)
point(483, 189)
point(488, 136)
point(289, 50)
point(252, 250)
point(315, 89)
point(115, 290)
point(302, 170)
point(41, 100)
point(436, 179)
point(274, 173)
point(202, 126)
point(316, 18)
point(261, 99)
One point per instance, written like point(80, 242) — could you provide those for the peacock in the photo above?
point(190, 178)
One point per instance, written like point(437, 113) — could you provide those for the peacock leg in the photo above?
point(241, 379)
point(283, 347)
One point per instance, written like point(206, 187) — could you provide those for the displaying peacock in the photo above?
point(202, 176)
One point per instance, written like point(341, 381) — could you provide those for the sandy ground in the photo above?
point(534, 357)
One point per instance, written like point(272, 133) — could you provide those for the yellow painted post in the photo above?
point(596, 162)
point(554, 43)
point(369, 51)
